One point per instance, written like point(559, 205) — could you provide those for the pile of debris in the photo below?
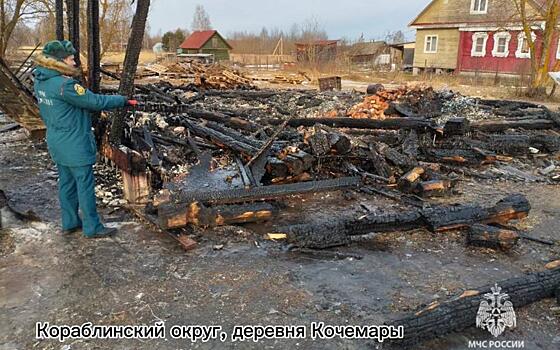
point(220, 157)
point(384, 102)
point(207, 76)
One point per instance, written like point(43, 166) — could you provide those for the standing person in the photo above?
point(65, 107)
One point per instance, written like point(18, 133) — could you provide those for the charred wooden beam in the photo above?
point(18, 103)
point(323, 142)
point(410, 145)
point(419, 124)
point(456, 126)
point(459, 312)
point(136, 185)
point(59, 18)
point(380, 165)
point(171, 217)
point(133, 48)
point(502, 125)
point(409, 181)
point(73, 18)
point(221, 139)
point(233, 122)
point(395, 157)
point(444, 218)
point(240, 195)
point(436, 219)
point(248, 94)
point(460, 156)
point(94, 58)
point(492, 237)
point(434, 188)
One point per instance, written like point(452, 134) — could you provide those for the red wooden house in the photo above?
point(471, 36)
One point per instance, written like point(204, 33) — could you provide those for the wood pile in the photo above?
point(205, 76)
point(283, 79)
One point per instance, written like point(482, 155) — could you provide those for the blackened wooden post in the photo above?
point(73, 16)
point(94, 60)
point(133, 48)
point(93, 45)
point(59, 13)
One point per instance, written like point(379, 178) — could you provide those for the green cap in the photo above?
point(59, 49)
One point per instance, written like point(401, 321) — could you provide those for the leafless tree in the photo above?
point(534, 14)
point(14, 12)
point(201, 20)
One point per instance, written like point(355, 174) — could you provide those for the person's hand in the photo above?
point(132, 103)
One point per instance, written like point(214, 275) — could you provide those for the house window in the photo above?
point(431, 44)
point(479, 6)
point(479, 44)
point(523, 50)
point(501, 44)
point(214, 43)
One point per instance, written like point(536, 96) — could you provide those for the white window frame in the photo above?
point(426, 43)
point(520, 39)
point(497, 37)
point(478, 11)
point(475, 38)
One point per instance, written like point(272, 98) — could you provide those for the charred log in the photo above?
point(73, 18)
point(171, 217)
point(419, 124)
point(436, 219)
point(409, 181)
point(456, 126)
point(443, 218)
point(492, 237)
point(434, 188)
point(503, 125)
point(460, 156)
point(459, 313)
point(232, 122)
point(379, 164)
point(59, 18)
point(240, 195)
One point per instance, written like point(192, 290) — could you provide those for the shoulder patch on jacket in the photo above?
point(80, 90)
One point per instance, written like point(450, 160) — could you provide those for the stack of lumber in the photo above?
point(213, 76)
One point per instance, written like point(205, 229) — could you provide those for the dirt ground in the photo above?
point(235, 277)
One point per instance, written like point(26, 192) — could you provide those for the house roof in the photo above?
point(371, 48)
point(197, 39)
point(538, 5)
point(319, 43)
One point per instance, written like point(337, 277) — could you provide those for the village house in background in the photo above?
point(381, 55)
point(206, 42)
point(475, 36)
point(317, 51)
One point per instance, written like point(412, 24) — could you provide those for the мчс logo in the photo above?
point(495, 312)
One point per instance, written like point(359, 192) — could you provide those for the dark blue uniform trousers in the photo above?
point(76, 189)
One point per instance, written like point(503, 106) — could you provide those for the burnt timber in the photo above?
point(18, 103)
point(436, 219)
point(459, 313)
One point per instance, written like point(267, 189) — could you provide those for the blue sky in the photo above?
point(341, 18)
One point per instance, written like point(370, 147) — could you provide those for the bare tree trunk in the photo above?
point(133, 49)
point(59, 10)
point(73, 15)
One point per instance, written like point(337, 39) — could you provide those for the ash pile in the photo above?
point(223, 157)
